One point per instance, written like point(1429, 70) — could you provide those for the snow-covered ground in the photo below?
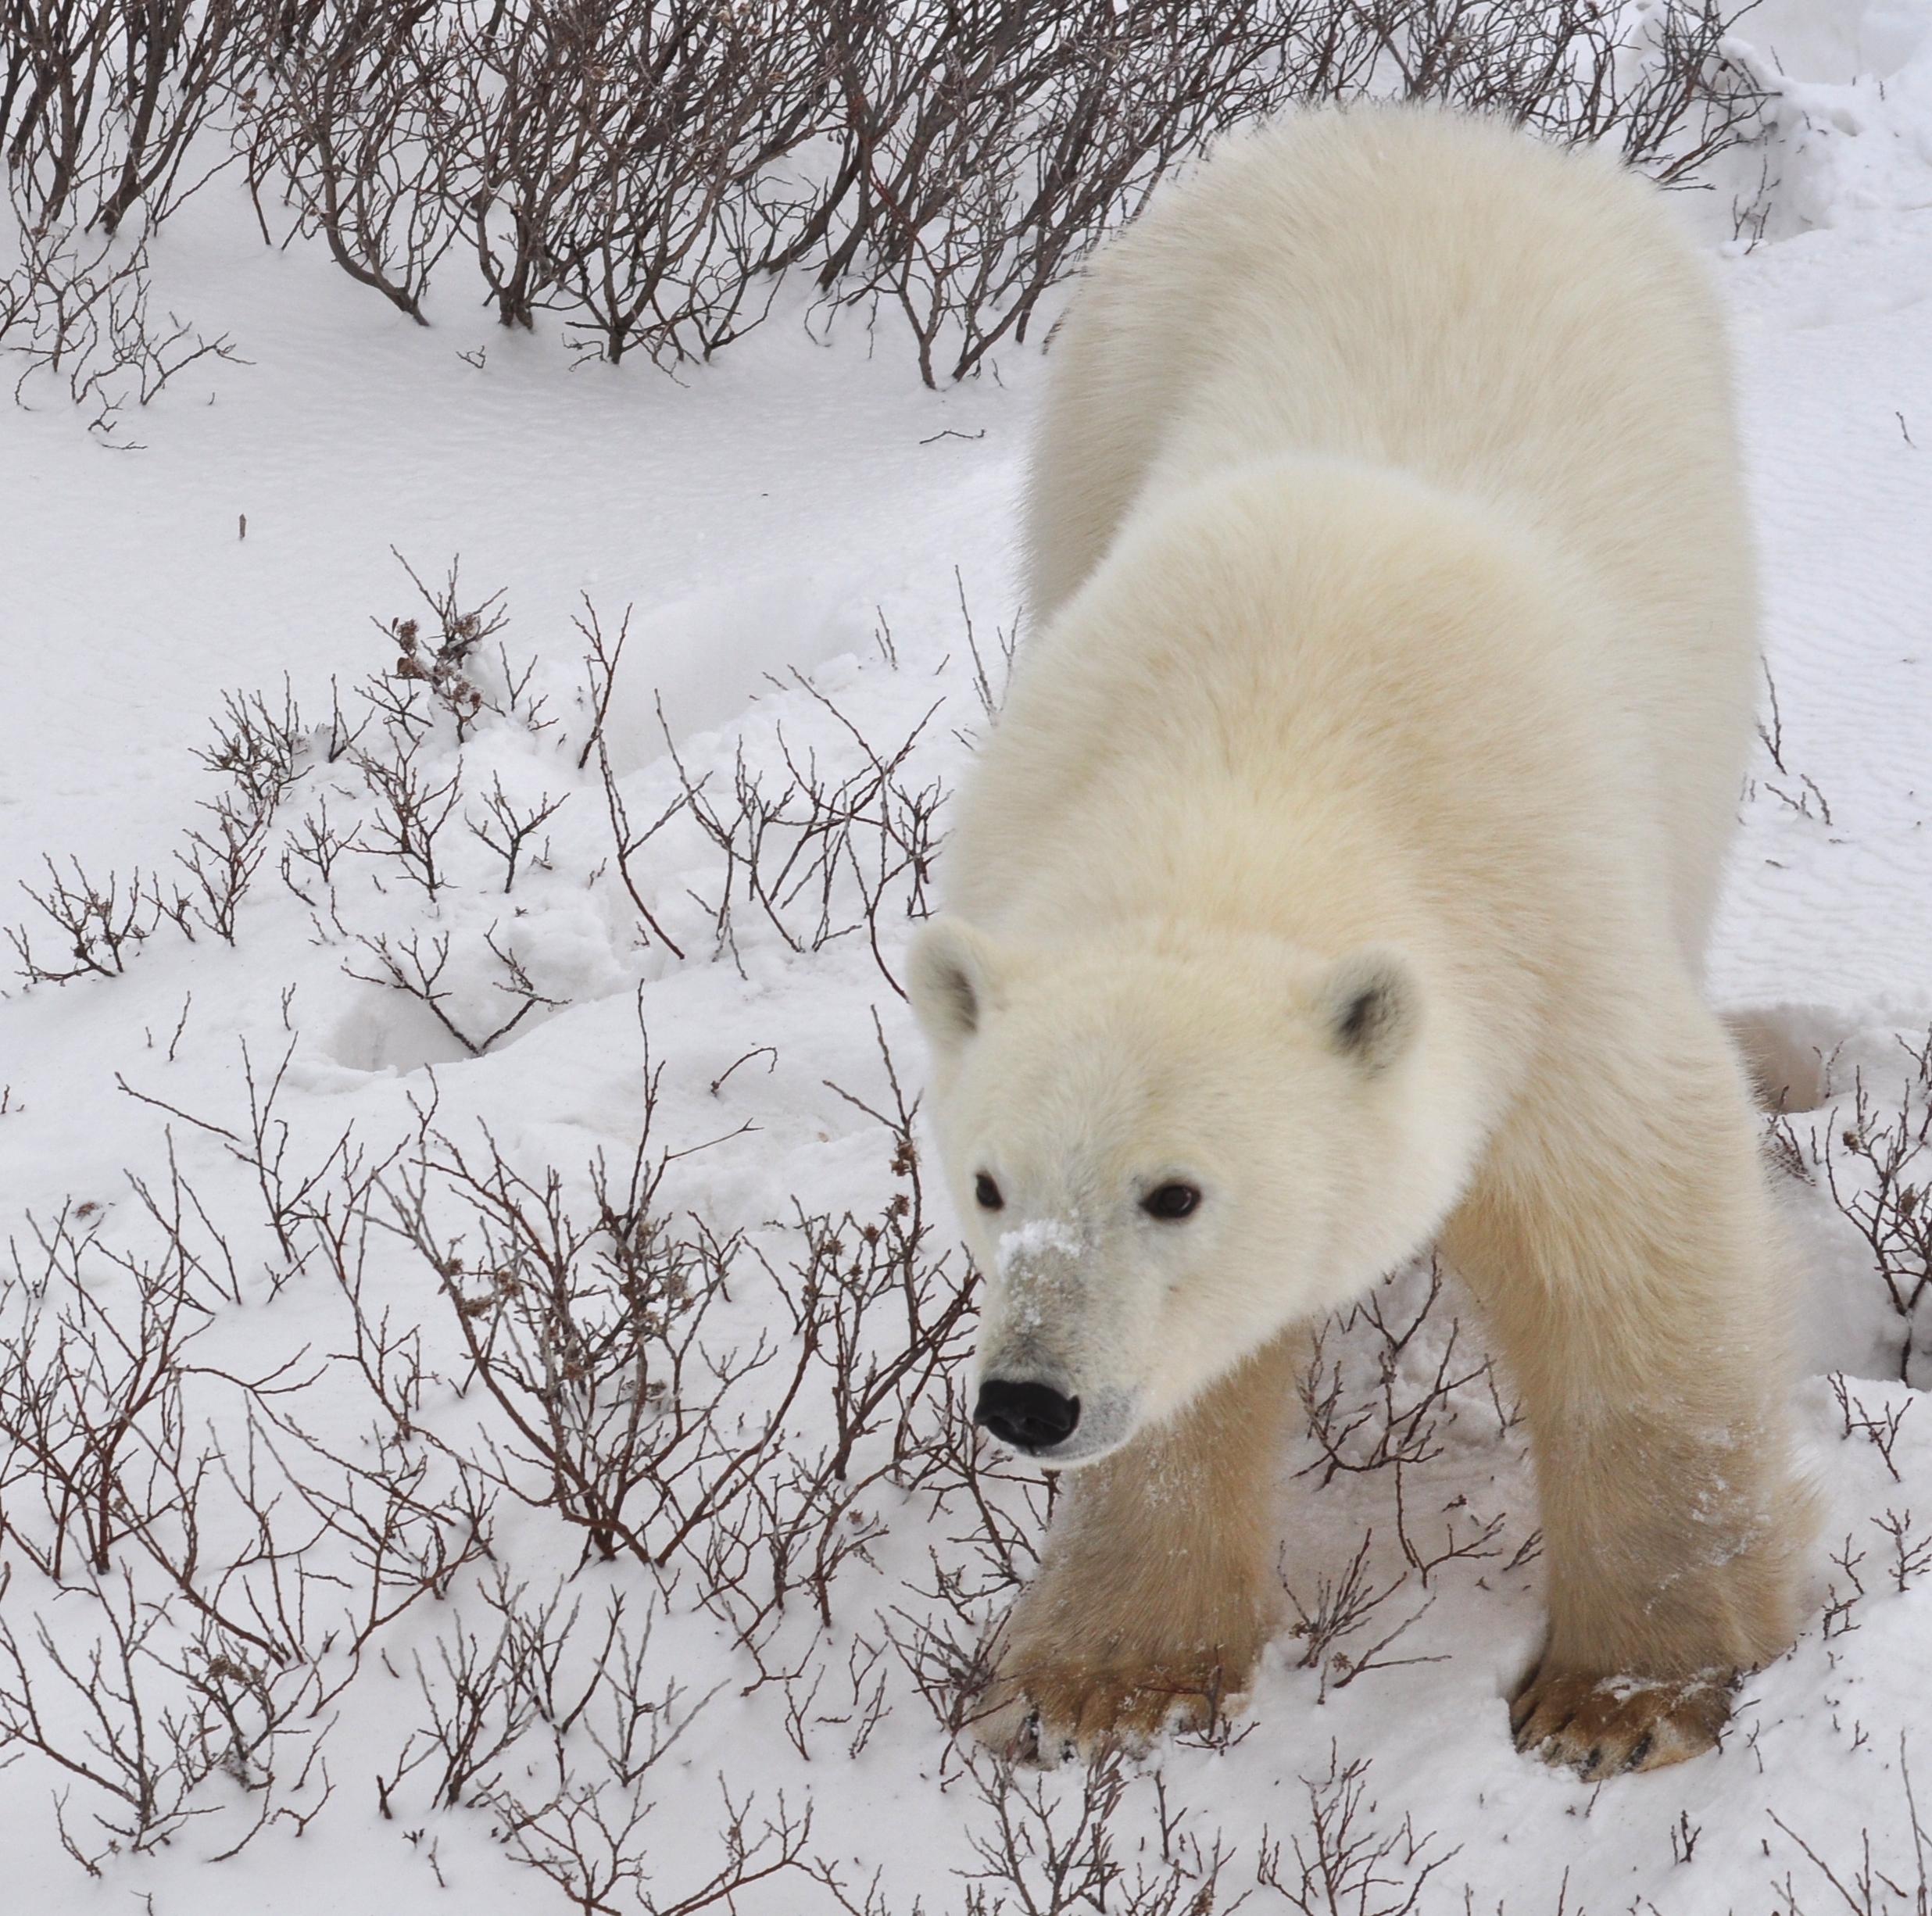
point(801, 505)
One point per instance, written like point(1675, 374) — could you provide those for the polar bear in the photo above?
point(1336, 881)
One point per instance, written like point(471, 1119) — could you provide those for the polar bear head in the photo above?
point(1165, 1148)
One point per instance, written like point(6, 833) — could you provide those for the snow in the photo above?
point(806, 504)
point(1039, 1237)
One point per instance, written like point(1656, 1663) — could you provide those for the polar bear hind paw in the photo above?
point(1043, 1718)
point(1602, 1726)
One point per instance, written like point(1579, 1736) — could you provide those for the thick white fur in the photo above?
point(1392, 646)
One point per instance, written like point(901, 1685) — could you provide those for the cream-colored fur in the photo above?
point(1345, 853)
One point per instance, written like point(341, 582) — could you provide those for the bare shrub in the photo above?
point(316, 842)
point(147, 1761)
point(262, 749)
point(76, 309)
point(100, 102)
point(586, 1721)
point(615, 157)
point(949, 1662)
point(883, 1316)
point(506, 830)
point(1880, 1429)
point(480, 1699)
point(1886, 1205)
point(1864, 1889)
point(648, 170)
point(838, 845)
point(1386, 1382)
point(991, 694)
point(1004, 1504)
point(412, 808)
point(288, 1197)
point(590, 1838)
point(350, 120)
point(263, 752)
point(1800, 792)
point(946, 1637)
point(443, 661)
point(155, 1704)
point(261, 1549)
point(1669, 97)
point(403, 966)
point(819, 858)
point(1053, 1850)
point(1837, 1609)
point(1910, 1555)
point(90, 1392)
point(601, 662)
point(102, 923)
point(1348, 1866)
point(604, 162)
point(95, 1422)
point(986, 148)
point(584, 1327)
point(220, 1582)
point(990, 146)
point(583, 1331)
point(1344, 1606)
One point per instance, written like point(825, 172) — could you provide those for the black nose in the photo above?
point(1029, 1417)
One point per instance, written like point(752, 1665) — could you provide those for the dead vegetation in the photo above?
point(419, 870)
point(239, 1585)
point(755, 1425)
point(817, 857)
point(1348, 1864)
point(1862, 1885)
point(741, 1479)
point(647, 173)
point(209, 1563)
point(1391, 1384)
point(110, 117)
point(1870, 1161)
point(1884, 1146)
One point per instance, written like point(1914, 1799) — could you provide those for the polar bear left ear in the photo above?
point(1370, 1006)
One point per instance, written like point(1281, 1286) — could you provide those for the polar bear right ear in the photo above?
point(953, 976)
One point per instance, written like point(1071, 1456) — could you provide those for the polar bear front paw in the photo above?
point(1604, 1725)
point(1039, 1713)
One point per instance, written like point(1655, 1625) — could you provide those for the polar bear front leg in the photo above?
point(1630, 1269)
point(1157, 1590)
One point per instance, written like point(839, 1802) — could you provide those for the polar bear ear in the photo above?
point(952, 975)
point(1370, 1006)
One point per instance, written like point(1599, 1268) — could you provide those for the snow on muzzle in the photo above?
point(1052, 1370)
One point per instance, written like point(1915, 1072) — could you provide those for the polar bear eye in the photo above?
point(1170, 1202)
point(987, 1192)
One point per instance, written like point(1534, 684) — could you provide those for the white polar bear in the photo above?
point(1336, 880)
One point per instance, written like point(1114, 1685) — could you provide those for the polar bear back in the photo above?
point(1515, 325)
